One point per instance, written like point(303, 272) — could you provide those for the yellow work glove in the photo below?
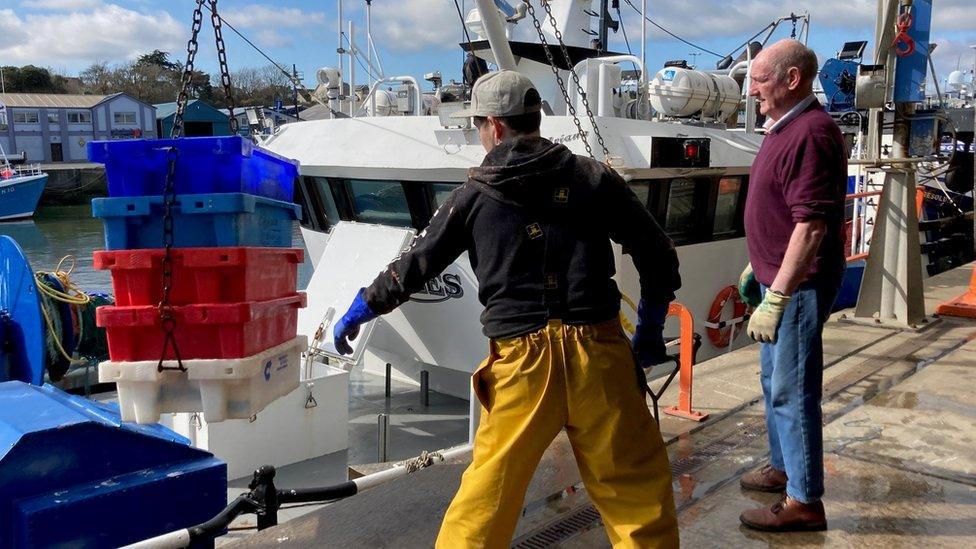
point(765, 319)
point(749, 287)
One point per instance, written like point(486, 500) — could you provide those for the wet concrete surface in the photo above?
point(900, 415)
point(867, 504)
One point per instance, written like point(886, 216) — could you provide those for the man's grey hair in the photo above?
point(794, 54)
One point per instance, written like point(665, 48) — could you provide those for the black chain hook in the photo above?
point(167, 320)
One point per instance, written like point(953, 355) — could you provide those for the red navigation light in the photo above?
point(691, 150)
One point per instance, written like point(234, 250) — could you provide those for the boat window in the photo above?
point(383, 202)
point(25, 117)
point(726, 207)
point(680, 222)
point(326, 201)
point(441, 191)
point(52, 118)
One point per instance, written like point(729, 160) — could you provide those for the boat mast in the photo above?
point(644, 33)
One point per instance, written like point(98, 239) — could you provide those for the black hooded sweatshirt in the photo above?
point(537, 221)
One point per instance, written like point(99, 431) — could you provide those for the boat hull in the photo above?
point(19, 196)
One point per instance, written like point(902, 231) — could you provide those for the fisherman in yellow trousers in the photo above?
point(537, 222)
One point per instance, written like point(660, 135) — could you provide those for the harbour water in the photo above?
point(58, 231)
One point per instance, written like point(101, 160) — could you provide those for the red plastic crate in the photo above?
point(224, 330)
point(202, 275)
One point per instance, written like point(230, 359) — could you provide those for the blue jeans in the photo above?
point(792, 383)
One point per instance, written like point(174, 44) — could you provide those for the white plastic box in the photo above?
point(220, 388)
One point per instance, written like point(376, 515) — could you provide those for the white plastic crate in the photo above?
point(220, 388)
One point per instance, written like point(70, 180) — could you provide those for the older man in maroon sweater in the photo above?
point(793, 218)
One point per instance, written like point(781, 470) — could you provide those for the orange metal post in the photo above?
point(686, 355)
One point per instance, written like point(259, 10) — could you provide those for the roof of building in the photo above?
point(62, 100)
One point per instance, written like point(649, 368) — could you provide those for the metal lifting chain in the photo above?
point(224, 72)
point(166, 318)
point(559, 79)
point(793, 18)
point(191, 53)
point(576, 80)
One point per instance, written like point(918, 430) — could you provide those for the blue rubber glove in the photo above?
point(648, 340)
point(348, 326)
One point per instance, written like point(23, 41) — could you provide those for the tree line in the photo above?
point(153, 78)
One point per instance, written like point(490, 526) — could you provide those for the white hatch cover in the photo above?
point(353, 256)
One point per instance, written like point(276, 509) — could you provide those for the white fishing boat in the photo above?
point(673, 138)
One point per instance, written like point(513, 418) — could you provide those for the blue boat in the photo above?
point(20, 190)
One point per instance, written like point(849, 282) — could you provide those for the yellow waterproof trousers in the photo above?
point(581, 378)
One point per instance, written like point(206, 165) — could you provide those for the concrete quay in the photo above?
point(900, 426)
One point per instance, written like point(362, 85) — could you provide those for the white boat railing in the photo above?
point(27, 169)
point(10, 171)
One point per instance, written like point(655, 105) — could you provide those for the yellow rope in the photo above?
point(72, 295)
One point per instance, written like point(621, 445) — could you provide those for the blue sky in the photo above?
point(414, 36)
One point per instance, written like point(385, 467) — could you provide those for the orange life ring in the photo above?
point(720, 331)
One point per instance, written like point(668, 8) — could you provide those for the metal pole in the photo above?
point(604, 12)
point(389, 373)
point(495, 29)
point(643, 33)
point(352, 70)
point(383, 437)
point(294, 89)
point(369, 40)
point(340, 49)
point(424, 388)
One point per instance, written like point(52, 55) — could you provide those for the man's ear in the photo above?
point(793, 78)
point(497, 129)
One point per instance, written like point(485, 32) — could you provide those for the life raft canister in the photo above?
point(720, 331)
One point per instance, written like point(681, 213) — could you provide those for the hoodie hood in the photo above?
point(519, 169)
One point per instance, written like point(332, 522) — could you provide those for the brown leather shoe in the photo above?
point(787, 515)
point(766, 479)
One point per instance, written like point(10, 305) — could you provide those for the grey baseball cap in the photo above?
point(502, 93)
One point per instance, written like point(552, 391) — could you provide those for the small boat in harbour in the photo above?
point(20, 190)
point(21, 184)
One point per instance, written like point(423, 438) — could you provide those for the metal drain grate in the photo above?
point(719, 447)
point(561, 530)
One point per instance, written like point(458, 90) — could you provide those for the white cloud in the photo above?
point(60, 4)
point(269, 22)
point(109, 32)
point(416, 25)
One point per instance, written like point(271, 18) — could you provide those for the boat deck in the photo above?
point(900, 418)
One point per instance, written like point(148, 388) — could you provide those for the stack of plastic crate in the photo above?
point(233, 295)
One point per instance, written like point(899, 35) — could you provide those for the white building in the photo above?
point(56, 127)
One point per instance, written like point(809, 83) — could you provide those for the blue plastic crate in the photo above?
point(200, 220)
point(138, 167)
